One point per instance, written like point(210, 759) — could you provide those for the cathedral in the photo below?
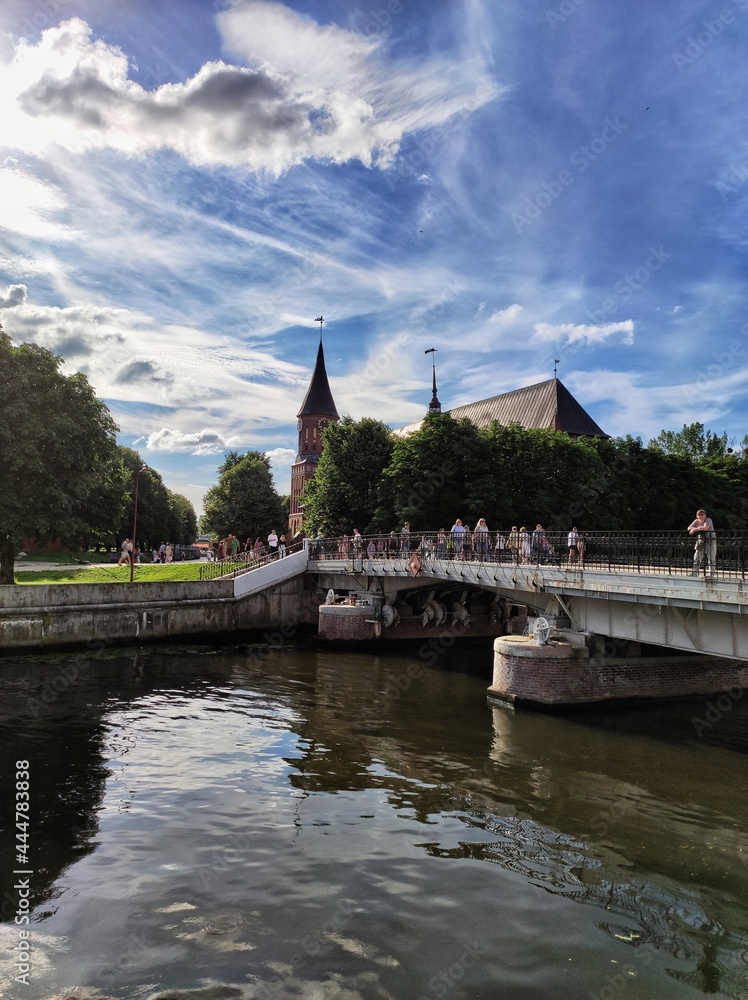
point(546, 404)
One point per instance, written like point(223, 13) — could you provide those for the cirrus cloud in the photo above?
point(571, 333)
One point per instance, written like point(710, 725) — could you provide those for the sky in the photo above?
point(520, 184)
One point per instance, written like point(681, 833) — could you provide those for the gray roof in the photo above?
point(547, 404)
point(318, 400)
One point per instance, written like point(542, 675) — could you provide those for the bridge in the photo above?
point(621, 596)
point(637, 587)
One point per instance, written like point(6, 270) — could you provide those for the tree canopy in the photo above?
point(692, 442)
point(450, 468)
point(163, 516)
point(244, 501)
point(343, 493)
point(62, 475)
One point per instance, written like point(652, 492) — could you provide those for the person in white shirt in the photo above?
point(572, 542)
point(272, 544)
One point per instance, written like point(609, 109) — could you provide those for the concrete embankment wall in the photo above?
point(34, 616)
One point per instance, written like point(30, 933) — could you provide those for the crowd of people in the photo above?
point(461, 542)
point(231, 548)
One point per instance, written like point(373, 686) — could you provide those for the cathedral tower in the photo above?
point(317, 411)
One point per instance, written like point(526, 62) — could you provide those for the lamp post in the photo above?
point(144, 468)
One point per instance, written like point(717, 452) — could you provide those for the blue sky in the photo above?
point(186, 184)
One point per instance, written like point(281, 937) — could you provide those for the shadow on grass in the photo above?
point(112, 574)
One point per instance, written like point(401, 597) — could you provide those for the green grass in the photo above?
point(62, 558)
point(146, 573)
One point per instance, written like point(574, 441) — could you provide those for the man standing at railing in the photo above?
point(273, 543)
point(405, 540)
point(706, 542)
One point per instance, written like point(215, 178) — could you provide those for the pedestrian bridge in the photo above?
point(636, 587)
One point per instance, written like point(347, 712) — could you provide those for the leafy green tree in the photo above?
point(693, 442)
point(163, 516)
point(184, 519)
point(545, 476)
point(61, 471)
point(154, 507)
point(440, 472)
point(244, 501)
point(343, 493)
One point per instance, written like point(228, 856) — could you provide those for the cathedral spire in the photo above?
point(318, 400)
point(434, 406)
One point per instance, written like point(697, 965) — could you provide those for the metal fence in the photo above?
point(662, 552)
point(243, 563)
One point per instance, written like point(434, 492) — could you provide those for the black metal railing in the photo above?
point(672, 553)
point(245, 562)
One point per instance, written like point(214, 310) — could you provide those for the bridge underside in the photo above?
point(680, 613)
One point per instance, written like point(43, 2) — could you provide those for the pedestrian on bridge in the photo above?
point(393, 544)
point(572, 545)
point(480, 539)
point(458, 532)
point(706, 542)
point(405, 540)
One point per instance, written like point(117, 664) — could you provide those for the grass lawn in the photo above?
point(145, 573)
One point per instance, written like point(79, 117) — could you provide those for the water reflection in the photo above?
point(286, 824)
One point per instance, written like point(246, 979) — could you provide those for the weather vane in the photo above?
point(320, 320)
point(556, 361)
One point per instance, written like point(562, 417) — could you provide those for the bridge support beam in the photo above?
point(563, 672)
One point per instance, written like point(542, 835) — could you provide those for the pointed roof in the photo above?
point(546, 404)
point(318, 400)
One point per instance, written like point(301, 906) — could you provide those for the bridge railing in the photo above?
point(670, 552)
point(245, 562)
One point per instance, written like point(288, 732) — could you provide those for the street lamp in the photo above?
point(144, 468)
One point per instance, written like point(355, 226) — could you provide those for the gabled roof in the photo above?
point(318, 400)
point(547, 404)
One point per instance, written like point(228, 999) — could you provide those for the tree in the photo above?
point(439, 473)
point(244, 501)
point(183, 518)
point(343, 493)
point(61, 472)
point(693, 442)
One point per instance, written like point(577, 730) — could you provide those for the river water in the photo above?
point(298, 823)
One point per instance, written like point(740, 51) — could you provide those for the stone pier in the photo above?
point(564, 671)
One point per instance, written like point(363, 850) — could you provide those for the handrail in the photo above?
point(674, 553)
point(244, 563)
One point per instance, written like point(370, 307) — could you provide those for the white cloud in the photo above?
point(204, 442)
point(281, 460)
point(309, 92)
point(505, 317)
point(571, 333)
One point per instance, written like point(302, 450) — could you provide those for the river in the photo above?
point(266, 823)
